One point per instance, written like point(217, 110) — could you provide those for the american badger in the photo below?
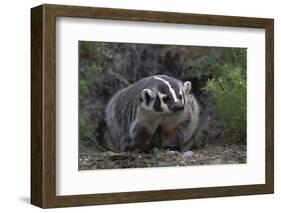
point(154, 111)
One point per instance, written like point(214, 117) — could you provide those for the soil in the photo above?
point(210, 154)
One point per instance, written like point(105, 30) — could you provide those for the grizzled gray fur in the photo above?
point(154, 111)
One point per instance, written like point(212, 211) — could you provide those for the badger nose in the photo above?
point(177, 107)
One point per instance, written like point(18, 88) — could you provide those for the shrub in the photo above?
point(229, 92)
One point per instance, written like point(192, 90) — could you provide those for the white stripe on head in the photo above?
point(181, 93)
point(170, 88)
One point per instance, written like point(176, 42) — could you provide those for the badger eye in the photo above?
point(180, 96)
point(165, 99)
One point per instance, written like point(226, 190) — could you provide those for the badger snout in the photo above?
point(177, 107)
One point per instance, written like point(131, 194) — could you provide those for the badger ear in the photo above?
point(187, 87)
point(147, 95)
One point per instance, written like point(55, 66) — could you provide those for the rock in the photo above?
point(163, 164)
point(155, 150)
point(83, 163)
point(213, 157)
point(216, 161)
point(172, 152)
point(188, 154)
point(232, 162)
point(192, 161)
point(113, 153)
point(182, 163)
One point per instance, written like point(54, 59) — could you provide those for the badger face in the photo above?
point(167, 95)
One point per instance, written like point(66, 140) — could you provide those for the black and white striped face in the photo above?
point(168, 95)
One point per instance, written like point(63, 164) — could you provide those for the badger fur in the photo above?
point(154, 111)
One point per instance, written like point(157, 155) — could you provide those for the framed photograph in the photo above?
point(136, 106)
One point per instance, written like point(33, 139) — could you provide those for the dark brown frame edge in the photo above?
point(43, 105)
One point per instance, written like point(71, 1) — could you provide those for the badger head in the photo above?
point(165, 95)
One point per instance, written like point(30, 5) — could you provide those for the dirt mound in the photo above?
point(209, 155)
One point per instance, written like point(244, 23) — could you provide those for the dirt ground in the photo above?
point(210, 154)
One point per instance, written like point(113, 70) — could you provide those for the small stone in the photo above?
point(163, 164)
point(188, 154)
point(110, 153)
point(192, 161)
point(216, 161)
point(182, 163)
point(84, 163)
point(213, 157)
point(155, 150)
point(171, 152)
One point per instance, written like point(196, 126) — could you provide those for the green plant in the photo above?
point(91, 65)
point(84, 132)
point(229, 92)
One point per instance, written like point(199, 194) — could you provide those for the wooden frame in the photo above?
point(43, 120)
